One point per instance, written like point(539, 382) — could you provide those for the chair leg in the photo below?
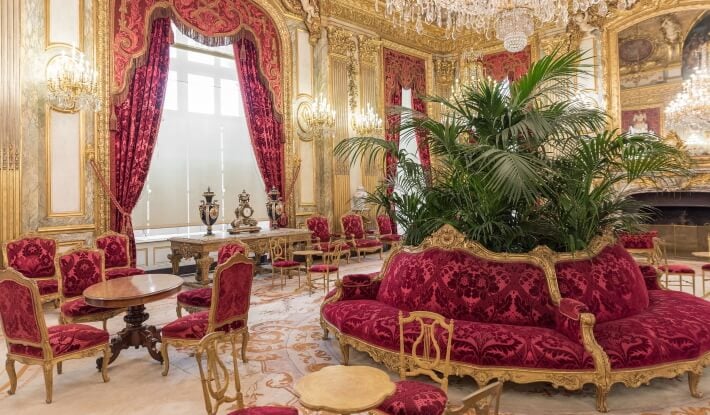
point(178, 311)
point(166, 358)
point(48, 373)
point(59, 368)
point(104, 364)
point(10, 368)
point(345, 352)
point(103, 324)
point(380, 251)
point(693, 381)
point(602, 392)
point(245, 342)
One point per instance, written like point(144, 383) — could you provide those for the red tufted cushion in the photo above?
point(318, 225)
point(200, 297)
point(384, 225)
point(80, 269)
point(79, 308)
point(17, 312)
point(367, 243)
point(115, 249)
point(285, 264)
point(641, 240)
point(391, 238)
point(324, 268)
point(706, 267)
point(473, 343)
point(610, 284)
point(32, 257)
point(353, 227)
point(415, 398)
point(192, 327)
point(47, 287)
point(459, 285)
point(677, 268)
point(66, 338)
point(226, 252)
point(266, 410)
point(122, 272)
point(674, 327)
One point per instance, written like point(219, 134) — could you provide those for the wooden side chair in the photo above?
point(34, 257)
point(427, 357)
point(385, 231)
point(282, 260)
point(330, 265)
point(231, 295)
point(321, 237)
point(200, 299)
point(117, 255)
point(354, 229)
point(216, 379)
point(685, 274)
point(78, 270)
point(485, 401)
point(30, 342)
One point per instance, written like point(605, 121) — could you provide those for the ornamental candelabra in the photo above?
point(72, 83)
point(367, 123)
point(317, 116)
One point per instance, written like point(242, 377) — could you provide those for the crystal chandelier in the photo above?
point(690, 109)
point(319, 116)
point(512, 20)
point(72, 83)
point(367, 123)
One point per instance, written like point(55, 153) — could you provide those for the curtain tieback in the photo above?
point(126, 216)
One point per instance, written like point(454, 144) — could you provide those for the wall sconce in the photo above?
point(316, 117)
point(367, 123)
point(72, 83)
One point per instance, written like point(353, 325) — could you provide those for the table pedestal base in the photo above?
point(136, 334)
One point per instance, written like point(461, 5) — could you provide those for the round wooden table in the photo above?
point(344, 389)
point(133, 292)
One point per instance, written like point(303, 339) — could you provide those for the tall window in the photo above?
point(203, 141)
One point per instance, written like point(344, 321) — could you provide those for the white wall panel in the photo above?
point(304, 63)
point(65, 22)
point(64, 163)
point(307, 174)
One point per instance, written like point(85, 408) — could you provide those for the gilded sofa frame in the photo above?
point(602, 376)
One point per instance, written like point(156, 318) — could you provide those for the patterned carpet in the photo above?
point(285, 344)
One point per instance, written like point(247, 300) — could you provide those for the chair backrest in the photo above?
point(484, 401)
point(214, 374)
point(32, 256)
point(384, 225)
point(226, 251)
point(426, 356)
point(353, 226)
point(332, 257)
point(78, 270)
point(319, 227)
point(231, 292)
point(21, 312)
point(116, 250)
point(278, 248)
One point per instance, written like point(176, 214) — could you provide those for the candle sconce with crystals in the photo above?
point(209, 210)
point(315, 118)
point(244, 212)
point(72, 83)
point(274, 207)
point(367, 123)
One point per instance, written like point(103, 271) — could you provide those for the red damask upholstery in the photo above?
point(674, 327)
point(80, 269)
point(115, 247)
point(650, 276)
point(384, 225)
point(610, 284)
point(122, 272)
point(266, 410)
point(65, 339)
point(367, 243)
point(329, 246)
point(324, 268)
point(641, 240)
point(353, 226)
point(285, 263)
point(458, 285)
point(193, 326)
point(32, 257)
point(200, 297)
point(226, 251)
point(78, 307)
point(413, 397)
point(18, 313)
point(677, 269)
point(705, 267)
point(320, 230)
point(47, 287)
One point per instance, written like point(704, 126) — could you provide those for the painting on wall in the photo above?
point(698, 36)
point(644, 120)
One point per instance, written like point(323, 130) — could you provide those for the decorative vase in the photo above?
point(274, 207)
point(209, 211)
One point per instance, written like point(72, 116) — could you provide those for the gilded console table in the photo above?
point(199, 246)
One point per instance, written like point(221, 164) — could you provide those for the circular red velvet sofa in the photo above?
point(564, 318)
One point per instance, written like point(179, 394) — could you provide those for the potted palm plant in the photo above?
point(518, 165)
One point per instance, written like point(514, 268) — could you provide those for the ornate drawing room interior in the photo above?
point(394, 207)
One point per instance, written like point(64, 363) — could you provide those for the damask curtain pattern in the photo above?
point(137, 122)
point(507, 65)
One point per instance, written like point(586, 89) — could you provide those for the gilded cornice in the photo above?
point(341, 42)
point(309, 10)
point(369, 49)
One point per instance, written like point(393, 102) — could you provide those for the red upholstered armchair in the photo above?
point(34, 257)
point(30, 342)
point(642, 243)
point(79, 269)
point(117, 255)
point(200, 299)
point(354, 229)
point(385, 229)
point(231, 295)
point(321, 237)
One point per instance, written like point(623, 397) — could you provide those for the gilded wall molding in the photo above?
point(444, 70)
point(309, 11)
point(369, 49)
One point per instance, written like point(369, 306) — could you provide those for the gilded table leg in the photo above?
point(203, 262)
point(175, 259)
point(693, 381)
point(10, 368)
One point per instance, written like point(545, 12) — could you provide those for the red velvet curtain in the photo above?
point(265, 125)
point(137, 122)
